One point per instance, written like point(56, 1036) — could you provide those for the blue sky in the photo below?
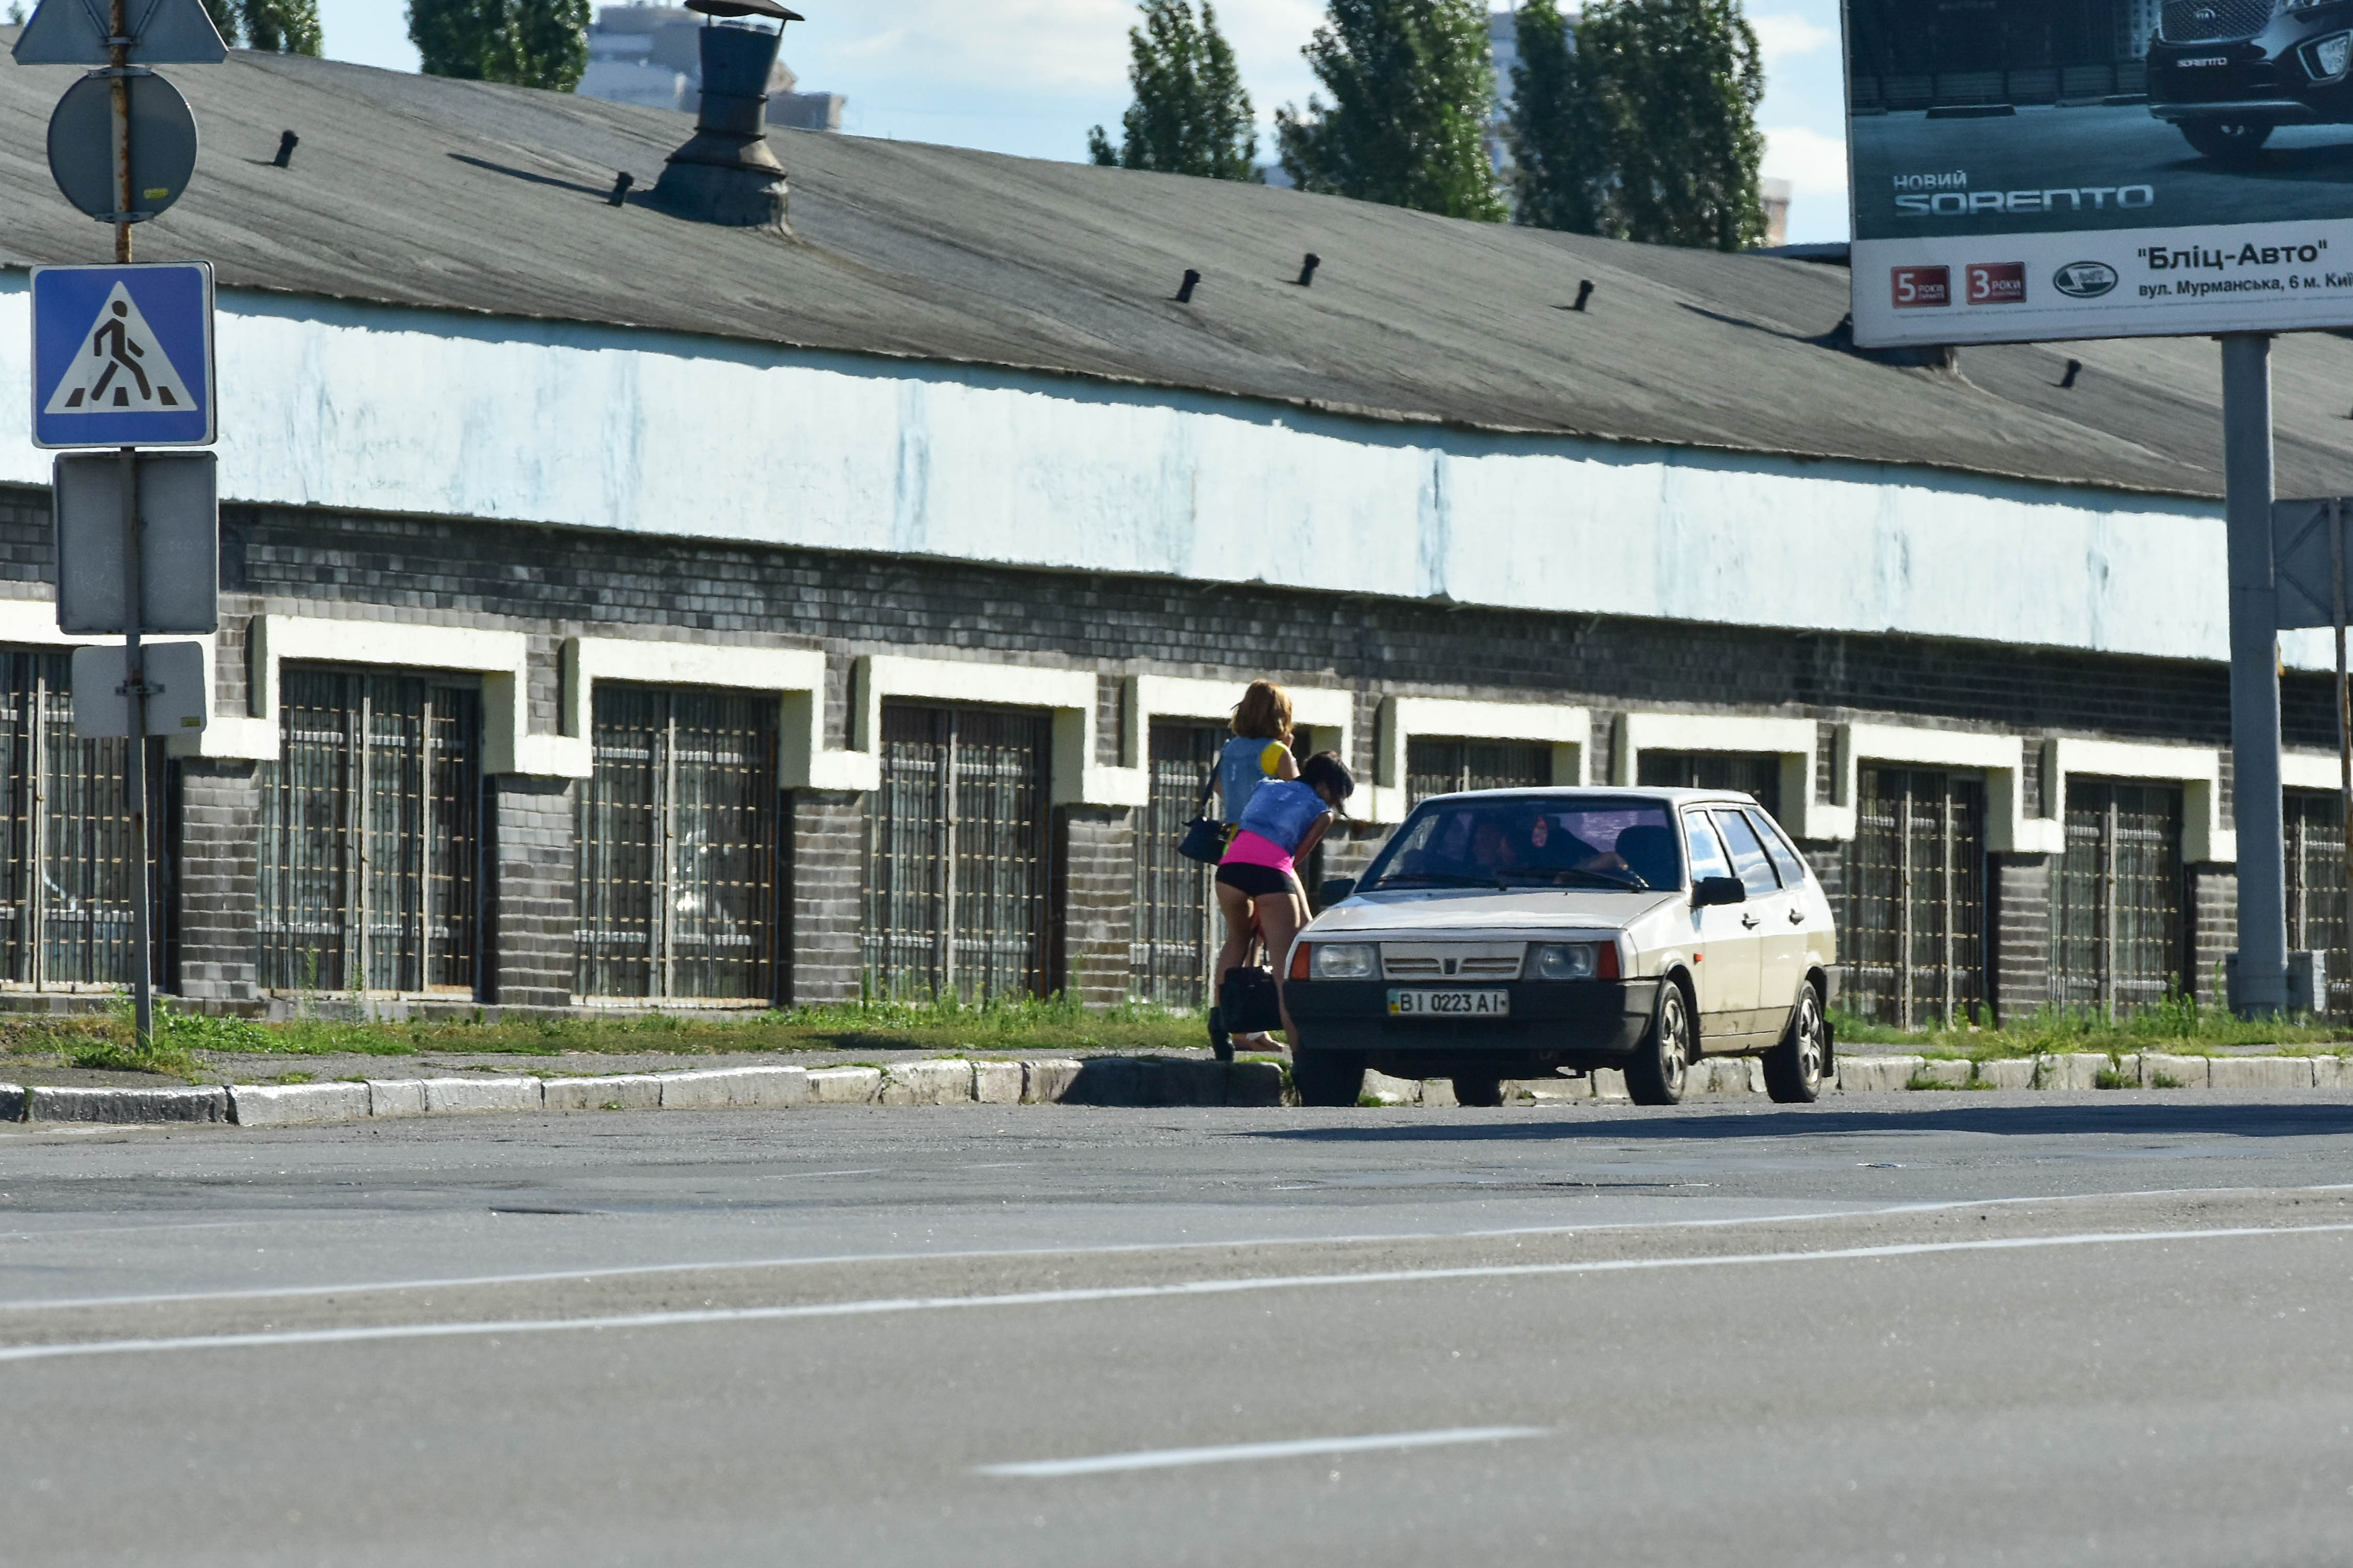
point(1028, 76)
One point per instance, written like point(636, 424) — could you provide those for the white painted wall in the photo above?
point(369, 407)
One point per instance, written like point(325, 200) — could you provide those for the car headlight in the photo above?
point(1343, 961)
point(1563, 961)
point(2331, 55)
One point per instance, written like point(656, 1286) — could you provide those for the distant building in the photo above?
point(1777, 194)
point(647, 55)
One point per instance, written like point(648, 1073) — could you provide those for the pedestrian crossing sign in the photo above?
point(122, 356)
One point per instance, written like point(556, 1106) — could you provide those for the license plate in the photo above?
point(1449, 1004)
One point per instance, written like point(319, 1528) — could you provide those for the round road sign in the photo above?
point(163, 146)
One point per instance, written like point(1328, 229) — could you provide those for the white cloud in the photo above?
point(1063, 45)
point(1786, 33)
point(1813, 163)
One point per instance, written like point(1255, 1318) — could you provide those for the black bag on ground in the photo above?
point(1247, 1002)
point(1205, 836)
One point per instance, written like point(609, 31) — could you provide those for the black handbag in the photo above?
point(1247, 1002)
point(1205, 836)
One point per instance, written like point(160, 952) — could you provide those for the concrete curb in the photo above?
point(1092, 1081)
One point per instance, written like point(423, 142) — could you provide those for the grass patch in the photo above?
point(2178, 1025)
point(1020, 1025)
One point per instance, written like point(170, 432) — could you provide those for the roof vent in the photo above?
point(726, 174)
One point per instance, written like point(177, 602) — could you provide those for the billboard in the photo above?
point(2025, 170)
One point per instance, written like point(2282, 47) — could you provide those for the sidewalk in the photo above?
point(1102, 1081)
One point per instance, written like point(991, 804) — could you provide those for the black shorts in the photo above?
point(1253, 881)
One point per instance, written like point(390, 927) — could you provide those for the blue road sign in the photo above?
point(122, 356)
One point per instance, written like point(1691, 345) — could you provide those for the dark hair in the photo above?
point(1325, 768)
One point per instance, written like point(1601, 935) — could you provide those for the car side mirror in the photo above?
point(1332, 890)
point(1709, 891)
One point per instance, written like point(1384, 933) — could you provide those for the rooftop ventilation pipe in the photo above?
point(726, 174)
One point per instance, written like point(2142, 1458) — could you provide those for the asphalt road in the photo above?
point(1902, 1329)
point(2304, 170)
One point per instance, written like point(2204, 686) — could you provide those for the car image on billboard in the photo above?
point(2025, 170)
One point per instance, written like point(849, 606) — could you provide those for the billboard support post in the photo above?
point(2259, 987)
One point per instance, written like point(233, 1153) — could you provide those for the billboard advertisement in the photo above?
point(2025, 170)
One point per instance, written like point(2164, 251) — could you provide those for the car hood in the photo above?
point(1431, 910)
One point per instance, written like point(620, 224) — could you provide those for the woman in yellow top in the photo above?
point(1259, 751)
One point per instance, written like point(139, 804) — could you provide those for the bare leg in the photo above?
point(1280, 916)
point(1235, 905)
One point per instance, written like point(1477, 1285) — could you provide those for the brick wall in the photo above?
point(221, 896)
point(2019, 933)
point(554, 583)
point(825, 842)
point(2213, 928)
point(533, 908)
point(1093, 907)
point(551, 584)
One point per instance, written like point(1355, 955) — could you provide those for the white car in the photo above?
point(1518, 934)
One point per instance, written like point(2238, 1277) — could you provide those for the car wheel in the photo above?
point(1327, 1078)
point(1795, 1069)
point(1656, 1072)
point(1478, 1091)
point(1221, 1043)
point(2225, 141)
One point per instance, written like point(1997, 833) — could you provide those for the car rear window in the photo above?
point(1529, 841)
point(1706, 853)
point(1785, 860)
point(1748, 861)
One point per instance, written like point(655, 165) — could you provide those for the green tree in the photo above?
point(224, 16)
point(1411, 90)
point(280, 27)
point(1678, 82)
point(1190, 115)
point(531, 43)
point(1559, 132)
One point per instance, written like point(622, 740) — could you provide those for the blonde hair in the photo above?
point(1264, 712)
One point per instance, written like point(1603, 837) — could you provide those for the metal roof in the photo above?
point(419, 191)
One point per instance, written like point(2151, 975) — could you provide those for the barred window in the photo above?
point(678, 845)
point(1445, 767)
point(66, 856)
point(1755, 773)
point(1176, 927)
point(957, 854)
point(2117, 930)
point(1912, 920)
point(371, 838)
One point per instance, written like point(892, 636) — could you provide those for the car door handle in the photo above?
point(1797, 917)
point(1750, 922)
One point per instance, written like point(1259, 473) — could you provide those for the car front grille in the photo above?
point(1443, 961)
point(2207, 21)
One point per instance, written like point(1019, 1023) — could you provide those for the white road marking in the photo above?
point(1173, 1459)
point(273, 1292)
point(891, 1305)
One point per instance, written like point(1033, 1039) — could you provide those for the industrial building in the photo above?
point(624, 609)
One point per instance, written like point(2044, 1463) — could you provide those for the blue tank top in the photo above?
point(1281, 812)
point(1244, 762)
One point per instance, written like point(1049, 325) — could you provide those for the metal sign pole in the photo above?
point(118, 59)
point(134, 755)
point(2259, 986)
point(134, 670)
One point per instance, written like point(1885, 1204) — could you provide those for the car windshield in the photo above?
point(1527, 841)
